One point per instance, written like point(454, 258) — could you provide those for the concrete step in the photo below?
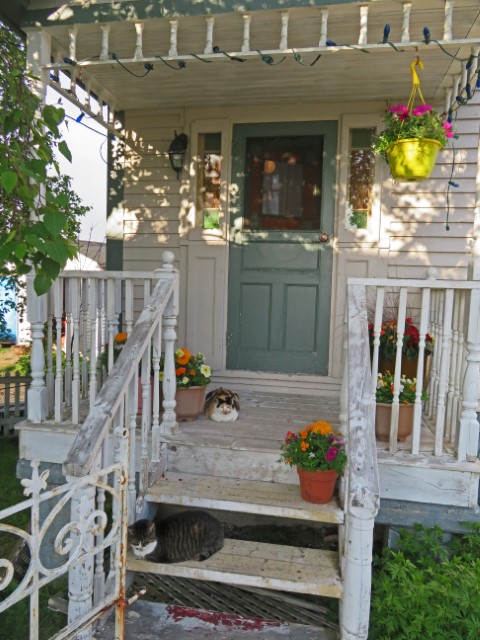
point(245, 496)
point(149, 621)
point(256, 564)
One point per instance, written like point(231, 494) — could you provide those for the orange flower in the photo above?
point(304, 446)
point(324, 428)
point(180, 371)
point(182, 356)
point(309, 428)
point(192, 372)
point(303, 434)
point(120, 338)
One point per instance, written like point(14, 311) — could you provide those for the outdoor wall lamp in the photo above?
point(176, 152)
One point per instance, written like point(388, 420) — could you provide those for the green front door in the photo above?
point(280, 258)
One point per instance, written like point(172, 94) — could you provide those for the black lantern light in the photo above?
point(176, 151)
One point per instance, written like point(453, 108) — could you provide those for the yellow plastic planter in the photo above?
point(413, 159)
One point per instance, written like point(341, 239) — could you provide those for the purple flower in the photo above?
point(423, 108)
point(399, 109)
point(448, 129)
point(331, 454)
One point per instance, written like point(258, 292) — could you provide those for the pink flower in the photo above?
point(290, 436)
point(399, 109)
point(423, 108)
point(331, 454)
point(448, 129)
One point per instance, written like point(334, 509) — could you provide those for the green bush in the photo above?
point(427, 589)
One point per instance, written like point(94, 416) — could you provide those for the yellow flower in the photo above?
point(304, 446)
point(324, 428)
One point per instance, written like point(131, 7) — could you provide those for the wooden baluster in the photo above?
point(138, 55)
point(155, 467)
point(402, 314)
point(247, 19)
point(92, 306)
point(407, 7)
point(436, 329)
point(111, 324)
point(450, 415)
point(362, 36)
point(210, 21)
point(447, 24)
point(121, 482)
point(377, 327)
point(37, 315)
point(49, 377)
point(173, 38)
point(99, 572)
point(72, 42)
point(57, 289)
point(104, 55)
point(75, 293)
point(456, 85)
point(459, 369)
point(128, 306)
point(444, 364)
point(67, 341)
point(417, 412)
point(88, 93)
point(284, 16)
point(131, 412)
point(85, 325)
point(323, 28)
point(169, 322)
point(146, 412)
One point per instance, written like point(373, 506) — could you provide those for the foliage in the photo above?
point(317, 447)
point(118, 342)
point(411, 340)
point(39, 212)
point(408, 387)
point(421, 122)
point(20, 367)
point(190, 370)
point(428, 588)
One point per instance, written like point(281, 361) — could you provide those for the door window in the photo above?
point(283, 183)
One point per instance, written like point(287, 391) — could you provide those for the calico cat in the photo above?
point(222, 405)
point(190, 535)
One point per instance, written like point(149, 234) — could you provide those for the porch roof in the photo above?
point(360, 67)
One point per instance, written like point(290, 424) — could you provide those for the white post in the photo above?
point(173, 38)
point(247, 18)
point(169, 419)
point(105, 35)
point(447, 25)
point(284, 31)
point(407, 7)
point(209, 38)
point(37, 316)
point(138, 55)
point(362, 37)
point(323, 28)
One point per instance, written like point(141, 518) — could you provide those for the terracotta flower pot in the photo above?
point(317, 486)
point(383, 417)
point(190, 403)
point(413, 159)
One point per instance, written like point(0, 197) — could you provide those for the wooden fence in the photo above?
point(13, 401)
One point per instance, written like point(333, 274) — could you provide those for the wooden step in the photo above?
point(256, 564)
point(246, 496)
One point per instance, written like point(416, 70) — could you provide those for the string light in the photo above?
point(235, 58)
point(298, 59)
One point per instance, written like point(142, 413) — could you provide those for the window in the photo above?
point(360, 178)
point(209, 179)
point(283, 183)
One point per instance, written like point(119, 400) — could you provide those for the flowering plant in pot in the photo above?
point(118, 341)
point(319, 454)
point(411, 140)
point(192, 376)
point(384, 398)
point(411, 340)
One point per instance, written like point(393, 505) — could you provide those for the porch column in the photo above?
point(38, 54)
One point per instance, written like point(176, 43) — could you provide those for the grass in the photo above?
point(12, 493)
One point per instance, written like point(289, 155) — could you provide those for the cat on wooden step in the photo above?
point(190, 535)
point(222, 405)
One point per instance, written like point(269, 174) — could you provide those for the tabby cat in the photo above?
point(222, 405)
point(190, 535)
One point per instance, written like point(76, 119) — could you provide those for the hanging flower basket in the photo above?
point(413, 159)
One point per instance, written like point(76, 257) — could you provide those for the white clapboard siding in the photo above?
point(261, 498)
point(255, 564)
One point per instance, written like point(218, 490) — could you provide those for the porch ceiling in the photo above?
point(338, 75)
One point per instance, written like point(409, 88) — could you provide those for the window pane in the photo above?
point(283, 183)
point(209, 178)
point(360, 178)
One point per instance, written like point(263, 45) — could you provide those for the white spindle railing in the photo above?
point(449, 311)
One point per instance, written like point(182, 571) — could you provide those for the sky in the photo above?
point(88, 168)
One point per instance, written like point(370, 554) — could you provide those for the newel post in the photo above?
point(37, 316)
point(169, 384)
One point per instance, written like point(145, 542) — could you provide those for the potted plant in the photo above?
point(411, 140)
point(384, 399)
point(192, 375)
point(387, 351)
point(118, 341)
point(319, 454)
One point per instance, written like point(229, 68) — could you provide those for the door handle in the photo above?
point(324, 237)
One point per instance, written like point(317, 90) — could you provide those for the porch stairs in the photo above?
point(224, 469)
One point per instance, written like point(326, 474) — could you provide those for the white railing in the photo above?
point(71, 327)
point(115, 416)
point(448, 312)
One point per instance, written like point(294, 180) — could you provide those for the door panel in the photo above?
point(283, 178)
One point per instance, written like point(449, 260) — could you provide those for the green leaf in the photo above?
point(57, 251)
point(20, 250)
point(9, 181)
point(64, 150)
point(51, 268)
point(42, 283)
point(55, 222)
